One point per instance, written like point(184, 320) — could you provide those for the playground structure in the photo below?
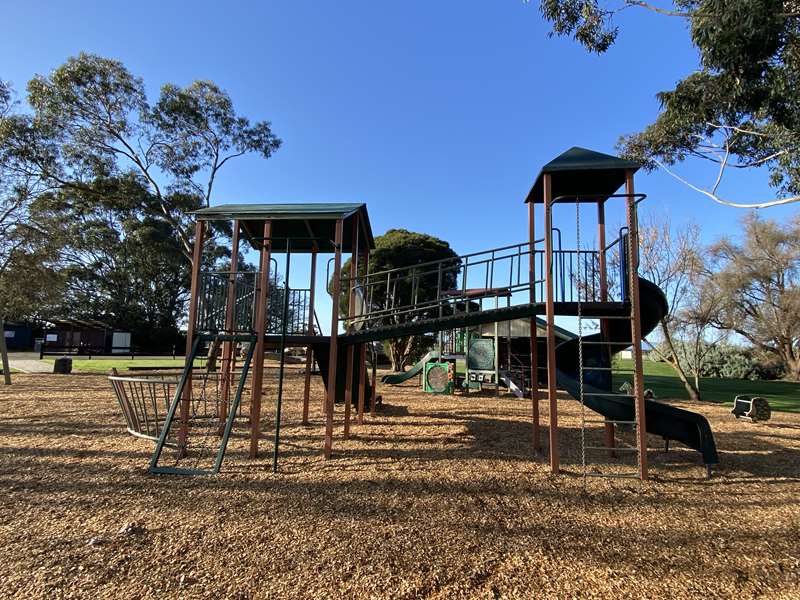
point(536, 277)
point(493, 354)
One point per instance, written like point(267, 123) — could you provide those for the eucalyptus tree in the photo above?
point(91, 121)
point(738, 110)
point(29, 281)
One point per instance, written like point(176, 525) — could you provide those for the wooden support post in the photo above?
point(186, 396)
point(636, 325)
point(552, 387)
point(374, 398)
point(537, 443)
point(335, 294)
point(4, 353)
point(309, 349)
point(351, 311)
point(362, 359)
point(262, 299)
point(601, 237)
point(601, 240)
point(230, 324)
point(348, 390)
point(362, 378)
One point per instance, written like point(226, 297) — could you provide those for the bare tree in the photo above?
point(671, 258)
point(694, 333)
point(757, 281)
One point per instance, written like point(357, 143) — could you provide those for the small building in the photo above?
point(85, 336)
point(19, 336)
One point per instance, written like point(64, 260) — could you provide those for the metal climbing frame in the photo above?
point(215, 288)
point(201, 413)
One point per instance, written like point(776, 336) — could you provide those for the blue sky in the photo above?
point(438, 115)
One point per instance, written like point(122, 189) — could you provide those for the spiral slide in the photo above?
point(670, 422)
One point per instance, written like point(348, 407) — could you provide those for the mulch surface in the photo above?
point(434, 497)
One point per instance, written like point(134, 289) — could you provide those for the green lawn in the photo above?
point(782, 395)
point(104, 365)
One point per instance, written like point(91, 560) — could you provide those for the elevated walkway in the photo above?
point(493, 315)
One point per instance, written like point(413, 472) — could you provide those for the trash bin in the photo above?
point(63, 365)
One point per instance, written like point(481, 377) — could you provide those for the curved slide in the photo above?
point(670, 422)
point(397, 378)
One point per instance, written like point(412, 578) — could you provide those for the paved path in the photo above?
point(28, 362)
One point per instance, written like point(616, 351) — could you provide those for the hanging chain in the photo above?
point(580, 340)
point(633, 229)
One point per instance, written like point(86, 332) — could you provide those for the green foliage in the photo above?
point(757, 279)
point(584, 20)
point(396, 249)
point(101, 183)
point(729, 361)
point(127, 271)
point(92, 122)
point(403, 249)
point(740, 110)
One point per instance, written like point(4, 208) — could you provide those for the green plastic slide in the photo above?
point(397, 378)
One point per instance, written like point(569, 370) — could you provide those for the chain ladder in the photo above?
point(634, 228)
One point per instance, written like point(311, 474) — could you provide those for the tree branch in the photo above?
point(718, 200)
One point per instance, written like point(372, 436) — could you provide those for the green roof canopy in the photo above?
point(582, 172)
point(298, 222)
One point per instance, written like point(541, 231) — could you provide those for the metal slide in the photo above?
point(397, 378)
point(670, 422)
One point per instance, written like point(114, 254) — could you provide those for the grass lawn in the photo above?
point(782, 395)
point(104, 365)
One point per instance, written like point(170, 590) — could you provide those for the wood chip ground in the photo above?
point(435, 497)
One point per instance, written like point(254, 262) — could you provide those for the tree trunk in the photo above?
point(692, 390)
point(4, 354)
point(399, 350)
point(396, 354)
point(792, 368)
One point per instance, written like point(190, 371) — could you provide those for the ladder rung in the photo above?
point(615, 449)
point(596, 318)
point(608, 395)
point(600, 343)
point(597, 368)
point(604, 421)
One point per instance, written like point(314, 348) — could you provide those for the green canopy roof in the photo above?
point(304, 224)
point(582, 172)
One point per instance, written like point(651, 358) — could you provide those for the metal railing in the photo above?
point(213, 302)
point(440, 287)
point(427, 290)
point(462, 284)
